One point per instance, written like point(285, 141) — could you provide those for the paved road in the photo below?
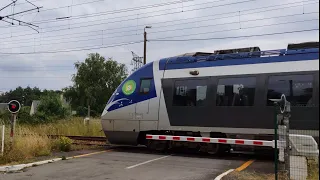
point(131, 164)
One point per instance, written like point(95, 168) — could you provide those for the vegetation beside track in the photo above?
point(32, 141)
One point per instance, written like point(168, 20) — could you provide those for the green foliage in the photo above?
point(64, 144)
point(5, 117)
point(95, 81)
point(24, 115)
point(25, 95)
point(51, 106)
point(49, 110)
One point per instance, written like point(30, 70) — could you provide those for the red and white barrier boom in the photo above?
point(211, 140)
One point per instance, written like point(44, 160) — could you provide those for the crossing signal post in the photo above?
point(14, 107)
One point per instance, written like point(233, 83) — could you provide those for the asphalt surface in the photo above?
point(132, 164)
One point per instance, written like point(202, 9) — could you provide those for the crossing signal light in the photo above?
point(14, 106)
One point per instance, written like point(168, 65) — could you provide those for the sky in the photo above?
point(46, 58)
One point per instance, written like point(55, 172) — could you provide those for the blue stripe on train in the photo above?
point(191, 62)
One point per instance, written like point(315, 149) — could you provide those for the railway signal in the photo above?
point(14, 107)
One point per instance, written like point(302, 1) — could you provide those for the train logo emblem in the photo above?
point(129, 87)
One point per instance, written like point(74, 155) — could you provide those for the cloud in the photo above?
point(93, 19)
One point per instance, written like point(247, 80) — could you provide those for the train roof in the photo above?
point(241, 56)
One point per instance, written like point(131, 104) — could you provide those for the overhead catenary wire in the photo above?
point(233, 37)
point(183, 40)
point(11, 36)
point(164, 14)
point(240, 28)
point(154, 24)
point(112, 12)
point(115, 11)
point(132, 9)
point(122, 20)
point(74, 50)
point(168, 40)
point(214, 18)
point(210, 32)
point(90, 25)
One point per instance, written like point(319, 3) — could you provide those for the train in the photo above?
point(220, 94)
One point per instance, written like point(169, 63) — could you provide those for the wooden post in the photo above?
point(2, 140)
point(145, 48)
point(13, 124)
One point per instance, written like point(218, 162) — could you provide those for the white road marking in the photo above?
point(130, 167)
point(223, 174)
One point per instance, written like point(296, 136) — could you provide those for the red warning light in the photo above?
point(14, 106)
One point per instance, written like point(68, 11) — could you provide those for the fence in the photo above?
point(298, 150)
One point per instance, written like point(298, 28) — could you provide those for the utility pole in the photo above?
point(145, 45)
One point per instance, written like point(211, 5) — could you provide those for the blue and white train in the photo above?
point(220, 94)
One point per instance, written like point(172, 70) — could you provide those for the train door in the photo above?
point(145, 109)
point(188, 100)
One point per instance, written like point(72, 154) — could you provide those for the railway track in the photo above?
point(85, 140)
point(82, 138)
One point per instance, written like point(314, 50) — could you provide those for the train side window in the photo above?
point(298, 89)
point(190, 93)
point(236, 91)
point(145, 86)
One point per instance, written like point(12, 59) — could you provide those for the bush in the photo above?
point(24, 115)
point(83, 112)
point(64, 144)
point(5, 117)
point(52, 106)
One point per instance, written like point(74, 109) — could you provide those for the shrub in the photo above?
point(52, 106)
point(24, 116)
point(64, 144)
point(5, 117)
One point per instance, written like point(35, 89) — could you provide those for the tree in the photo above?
point(94, 82)
point(51, 106)
point(24, 95)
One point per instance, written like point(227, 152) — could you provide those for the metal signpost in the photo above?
point(14, 107)
point(282, 125)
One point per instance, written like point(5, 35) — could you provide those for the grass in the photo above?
point(71, 127)
point(30, 141)
point(313, 170)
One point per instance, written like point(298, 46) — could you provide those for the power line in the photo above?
point(211, 32)
point(114, 12)
point(74, 50)
point(122, 20)
point(132, 9)
point(36, 70)
point(29, 2)
point(232, 37)
point(33, 77)
point(240, 28)
point(215, 18)
point(158, 23)
point(164, 40)
point(260, 19)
